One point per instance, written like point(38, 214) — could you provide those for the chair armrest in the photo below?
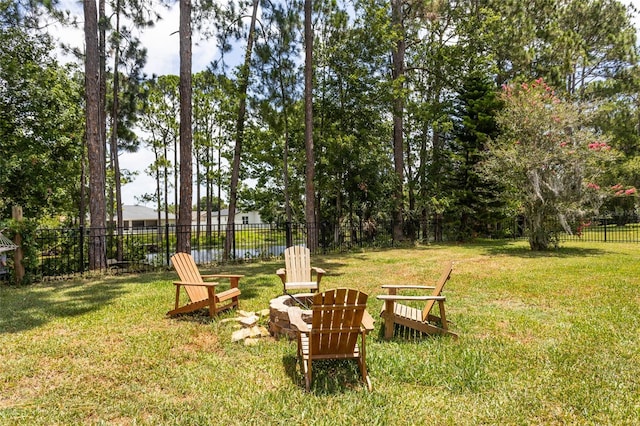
point(230, 276)
point(233, 279)
point(295, 319)
point(318, 270)
point(399, 297)
point(179, 283)
point(409, 287)
point(367, 321)
point(282, 273)
point(319, 273)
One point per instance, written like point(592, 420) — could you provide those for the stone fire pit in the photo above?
point(279, 314)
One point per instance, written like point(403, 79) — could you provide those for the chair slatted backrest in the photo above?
point(336, 320)
point(188, 272)
point(298, 264)
point(446, 273)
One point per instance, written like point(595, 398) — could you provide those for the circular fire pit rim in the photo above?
point(279, 314)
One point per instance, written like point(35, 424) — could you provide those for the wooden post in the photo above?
point(18, 267)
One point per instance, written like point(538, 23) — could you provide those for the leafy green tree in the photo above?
point(398, 79)
point(120, 106)
point(41, 128)
point(159, 119)
point(244, 74)
point(586, 41)
point(354, 168)
point(618, 116)
point(279, 86)
point(435, 71)
point(548, 159)
point(213, 130)
point(310, 157)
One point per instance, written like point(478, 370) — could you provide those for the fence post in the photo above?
point(605, 229)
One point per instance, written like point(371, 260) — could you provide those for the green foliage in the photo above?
point(355, 171)
point(549, 160)
point(41, 128)
point(29, 246)
point(477, 198)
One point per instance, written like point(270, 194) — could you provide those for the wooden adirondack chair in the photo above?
point(202, 294)
point(417, 319)
point(339, 316)
point(296, 275)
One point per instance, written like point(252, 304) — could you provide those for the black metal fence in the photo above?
point(65, 251)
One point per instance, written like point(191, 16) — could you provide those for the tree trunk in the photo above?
point(422, 177)
point(102, 49)
point(242, 109)
point(436, 159)
point(186, 135)
point(83, 187)
point(95, 144)
point(114, 141)
point(537, 229)
point(398, 117)
point(411, 192)
point(198, 201)
point(166, 182)
point(310, 208)
point(158, 197)
point(285, 155)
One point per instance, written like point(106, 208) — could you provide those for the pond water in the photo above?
point(204, 256)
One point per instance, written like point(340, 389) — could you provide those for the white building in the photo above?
point(241, 218)
point(141, 216)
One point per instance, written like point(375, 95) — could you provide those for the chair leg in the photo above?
point(362, 363)
point(212, 302)
point(443, 316)
point(388, 319)
point(177, 297)
point(365, 374)
point(307, 373)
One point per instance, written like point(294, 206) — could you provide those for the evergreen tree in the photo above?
point(477, 199)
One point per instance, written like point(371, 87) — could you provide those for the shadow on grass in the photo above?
point(28, 307)
point(520, 249)
point(328, 376)
point(403, 334)
point(257, 277)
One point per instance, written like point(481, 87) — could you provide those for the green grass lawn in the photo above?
point(545, 338)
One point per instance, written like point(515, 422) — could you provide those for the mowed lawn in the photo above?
point(544, 338)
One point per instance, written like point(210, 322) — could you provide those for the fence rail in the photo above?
point(65, 251)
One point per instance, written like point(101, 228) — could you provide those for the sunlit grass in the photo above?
point(545, 338)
